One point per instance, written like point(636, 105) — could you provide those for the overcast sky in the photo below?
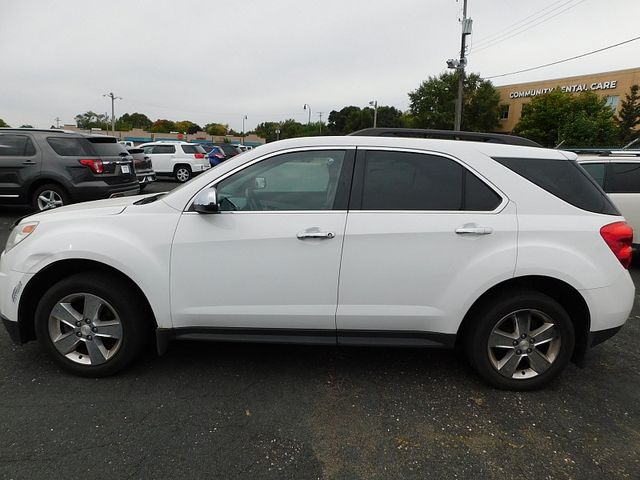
point(215, 61)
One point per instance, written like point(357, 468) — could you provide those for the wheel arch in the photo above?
point(39, 284)
point(45, 181)
point(563, 293)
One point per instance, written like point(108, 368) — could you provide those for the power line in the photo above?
point(517, 24)
point(518, 31)
point(565, 60)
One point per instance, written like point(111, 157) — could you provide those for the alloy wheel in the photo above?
point(524, 344)
point(85, 329)
point(49, 199)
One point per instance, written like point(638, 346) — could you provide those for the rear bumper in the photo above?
point(144, 178)
point(103, 190)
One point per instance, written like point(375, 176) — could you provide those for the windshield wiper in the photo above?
point(149, 199)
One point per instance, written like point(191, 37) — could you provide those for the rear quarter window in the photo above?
point(106, 146)
point(192, 149)
point(69, 147)
point(564, 179)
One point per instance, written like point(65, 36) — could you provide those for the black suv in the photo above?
point(52, 168)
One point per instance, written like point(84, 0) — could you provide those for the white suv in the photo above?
point(618, 173)
point(513, 253)
point(182, 160)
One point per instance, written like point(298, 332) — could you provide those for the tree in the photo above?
point(163, 126)
point(134, 120)
point(433, 103)
point(185, 126)
point(629, 116)
point(576, 121)
point(89, 120)
point(351, 119)
point(217, 129)
point(3, 123)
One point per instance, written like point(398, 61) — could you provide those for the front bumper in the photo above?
point(14, 330)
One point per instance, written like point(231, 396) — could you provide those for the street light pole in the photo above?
point(244, 117)
point(466, 30)
point(308, 107)
point(113, 114)
point(320, 116)
point(374, 104)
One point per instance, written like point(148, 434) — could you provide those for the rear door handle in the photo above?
point(28, 162)
point(465, 230)
point(321, 235)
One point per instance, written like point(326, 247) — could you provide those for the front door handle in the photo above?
point(28, 162)
point(321, 235)
point(469, 230)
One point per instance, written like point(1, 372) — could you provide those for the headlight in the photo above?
point(19, 233)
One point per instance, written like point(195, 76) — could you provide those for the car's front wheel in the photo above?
point(91, 324)
point(521, 341)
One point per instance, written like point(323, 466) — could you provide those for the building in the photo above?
point(611, 85)
point(139, 136)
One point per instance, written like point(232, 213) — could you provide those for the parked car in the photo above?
point(618, 173)
point(510, 252)
point(182, 160)
point(216, 156)
point(142, 166)
point(51, 168)
point(229, 149)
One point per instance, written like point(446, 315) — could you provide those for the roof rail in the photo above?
point(605, 152)
point(446, 135)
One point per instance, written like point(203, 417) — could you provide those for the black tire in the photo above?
point(182, 173)
point(45, 196)
point(121, 306)
point(536, 364)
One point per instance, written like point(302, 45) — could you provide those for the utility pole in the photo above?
point(374, 104)
point(466, 30)
point(244, 117)
point(308, 107)
point(57, 119)
point(113, 114)
point(320, 115)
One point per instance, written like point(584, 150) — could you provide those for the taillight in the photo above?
point(199, 155)
point(95, 165)
point(619, 237)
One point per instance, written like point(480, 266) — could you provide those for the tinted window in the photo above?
point(413, 181)
point(69, 147)
point(565, 179)
point(16, 146)
point(107, 146)
point(596, 170)
point(293, 181)
point(191, 149)
point(625, 178)
point(163, 149)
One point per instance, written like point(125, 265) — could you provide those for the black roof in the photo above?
point(446, 135)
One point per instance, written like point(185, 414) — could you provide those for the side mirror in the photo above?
point(206, 201)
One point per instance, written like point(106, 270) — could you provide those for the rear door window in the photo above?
point(564, 179)
point(625, 177)
point(414, 181)
point(16, 146)
point(163, 149)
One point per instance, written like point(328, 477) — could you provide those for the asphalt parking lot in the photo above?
point(208, 410)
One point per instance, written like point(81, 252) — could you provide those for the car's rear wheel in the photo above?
point(182, 173)
point(92, 324)
point(49, 196)
point(521, 341)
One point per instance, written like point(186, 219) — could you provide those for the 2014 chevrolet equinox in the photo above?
point(512, 252)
